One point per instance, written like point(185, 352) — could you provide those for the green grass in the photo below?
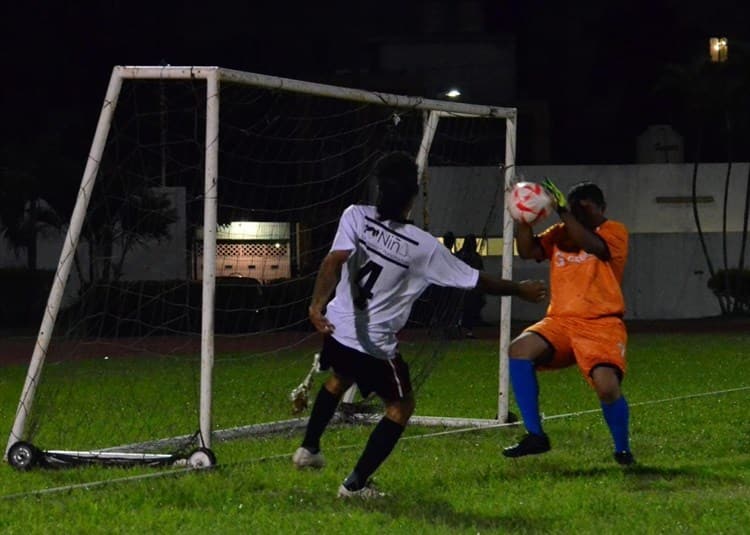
point(693, 474)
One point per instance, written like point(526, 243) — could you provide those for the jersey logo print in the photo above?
point(372, 230)
point(392, 244)
point(391, 231)
point(562, 259)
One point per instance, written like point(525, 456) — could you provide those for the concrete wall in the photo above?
point(465, 199)
point(666, 274)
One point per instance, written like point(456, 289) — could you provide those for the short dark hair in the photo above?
point(586, 190)
point(396, 173)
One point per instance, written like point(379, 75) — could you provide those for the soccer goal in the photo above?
point(178, 311)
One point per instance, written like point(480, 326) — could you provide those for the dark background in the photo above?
point(589, 69)
point(588, 77)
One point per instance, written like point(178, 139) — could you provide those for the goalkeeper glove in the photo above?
point(561, 202)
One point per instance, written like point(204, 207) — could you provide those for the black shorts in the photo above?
point(389, 379)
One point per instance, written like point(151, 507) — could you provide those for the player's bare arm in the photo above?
point(581, 215)
point(528, 290)
point(325, 283)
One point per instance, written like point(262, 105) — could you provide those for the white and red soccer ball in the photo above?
point(529, 202)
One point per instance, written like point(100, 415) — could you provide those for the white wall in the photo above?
point(153, 261)
point(666, 274)
point(461, 198)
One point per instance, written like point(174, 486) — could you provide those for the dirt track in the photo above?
point(18, 349)
point(15, 350)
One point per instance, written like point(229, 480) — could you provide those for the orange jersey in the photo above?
point(582, 285)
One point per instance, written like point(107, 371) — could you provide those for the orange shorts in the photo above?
point(585, 342)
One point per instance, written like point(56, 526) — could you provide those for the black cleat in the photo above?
point(624, 458)
point(529, 445)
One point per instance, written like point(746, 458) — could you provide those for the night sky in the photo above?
point(596, 63)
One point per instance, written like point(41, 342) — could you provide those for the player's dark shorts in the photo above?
point(389, 379)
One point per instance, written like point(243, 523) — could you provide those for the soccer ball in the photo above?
point(529, 202)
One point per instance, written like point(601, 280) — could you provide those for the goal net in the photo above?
point(178, 312)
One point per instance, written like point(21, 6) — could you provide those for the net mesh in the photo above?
point(123, 366)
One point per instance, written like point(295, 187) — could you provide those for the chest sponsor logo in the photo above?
point(563, 259)
point(385, 241)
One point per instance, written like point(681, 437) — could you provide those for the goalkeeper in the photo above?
point(379, 264)
point(583, 325)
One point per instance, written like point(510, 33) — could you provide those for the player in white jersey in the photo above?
point(379, 264)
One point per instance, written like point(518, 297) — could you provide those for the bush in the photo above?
point(732, 286)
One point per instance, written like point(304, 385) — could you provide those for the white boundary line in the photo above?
point(181, 471)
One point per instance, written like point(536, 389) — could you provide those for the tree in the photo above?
point(38, 187)
point(33, 196)
point(124, 211)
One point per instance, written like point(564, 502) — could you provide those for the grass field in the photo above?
point(689, 395)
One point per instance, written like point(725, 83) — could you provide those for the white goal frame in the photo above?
point(214, 76)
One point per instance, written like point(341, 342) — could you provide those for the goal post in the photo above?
point(256, 130)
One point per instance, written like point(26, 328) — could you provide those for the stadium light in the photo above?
point(719, 49)
point(453, 93)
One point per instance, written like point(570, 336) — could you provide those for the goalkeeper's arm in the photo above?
point(586, 239)
point(583, 237)
point(528, 245)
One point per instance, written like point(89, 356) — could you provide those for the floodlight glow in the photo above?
point(718, 49)
point(453, 93)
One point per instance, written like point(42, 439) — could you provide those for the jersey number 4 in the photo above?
point(365, 280)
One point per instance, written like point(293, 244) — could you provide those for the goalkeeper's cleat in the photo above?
point(304, 458)
point(368, 492)
point(531, 444)
point(625, 458)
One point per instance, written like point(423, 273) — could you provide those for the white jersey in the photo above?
point(389, 267)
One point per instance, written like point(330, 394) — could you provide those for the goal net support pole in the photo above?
point(507, 273)
point(210, 210)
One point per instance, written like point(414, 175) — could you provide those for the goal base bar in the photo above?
point(359, 418)
point(65, 457)
point(440, 421)
point(25, 456)
point(125, 452)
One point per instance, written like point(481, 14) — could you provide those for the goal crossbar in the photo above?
point(447, 108)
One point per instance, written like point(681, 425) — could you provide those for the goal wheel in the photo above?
point(201, 458)
point(23, 456)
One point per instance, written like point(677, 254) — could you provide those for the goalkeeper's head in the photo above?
point(396, 173)
point(586, 201)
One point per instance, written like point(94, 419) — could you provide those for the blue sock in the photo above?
point(526, 390)
point(617, 416)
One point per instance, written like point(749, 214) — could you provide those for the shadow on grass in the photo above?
point(404, 506)
point(692, 477)
point(637, 477)
point(437, 513)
